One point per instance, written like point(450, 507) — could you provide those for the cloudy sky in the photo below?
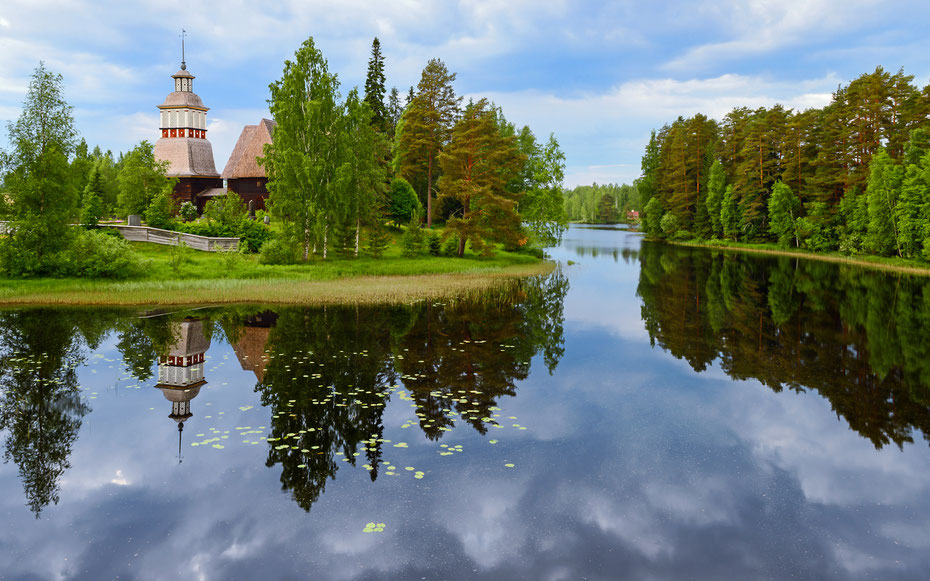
point(600, 75)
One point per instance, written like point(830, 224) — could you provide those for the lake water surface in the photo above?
point(645, 412)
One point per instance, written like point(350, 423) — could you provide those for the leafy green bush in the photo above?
point(279, 250)
point(160, 213)
point(253, 235)
point(228, 210)
point(403, 204)
point(94, 254)
point(187, 212)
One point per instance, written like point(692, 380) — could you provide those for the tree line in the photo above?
point(338, 166)
point(601, 204)
point(853, 176)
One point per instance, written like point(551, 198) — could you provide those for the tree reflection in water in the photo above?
point(857, 337)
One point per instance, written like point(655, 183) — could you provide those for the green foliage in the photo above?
point(426, 128)
point(670, 224)
point(323, 165)
point(783, 211)
point(403, 204)
point(652, 218)
point(279, 250)
point(713, 201)
point(730, 214)
point(882, 193)
point(180, 255)
point(541, 207)
point(41, 199)
point(92, 210)
point(476, 166)
point(141, 177)
point(93, 254)
point(187, 212)
point(847, 164)
point(227, 210)
point(378, 239)
point(434, 244)
point(160, 213)
point(374, 86)
point(413, 242)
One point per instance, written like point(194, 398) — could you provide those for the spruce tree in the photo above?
point(374, 87)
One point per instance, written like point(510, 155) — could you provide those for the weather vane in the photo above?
point(183, 64)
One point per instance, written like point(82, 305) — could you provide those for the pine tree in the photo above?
point(477, 165)
point(374, 87)
point(428, 123)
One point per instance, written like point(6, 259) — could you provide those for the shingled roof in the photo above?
point(186, 156)
point(243, 159)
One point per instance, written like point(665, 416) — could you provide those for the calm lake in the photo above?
point(645, 412)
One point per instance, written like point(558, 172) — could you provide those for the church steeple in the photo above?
point(183, 128)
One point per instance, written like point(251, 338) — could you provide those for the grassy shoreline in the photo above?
point(891, 264)
point(288, 289)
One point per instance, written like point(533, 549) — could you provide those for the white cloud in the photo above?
point(763, 26)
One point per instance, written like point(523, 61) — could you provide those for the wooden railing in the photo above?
point(172, 238)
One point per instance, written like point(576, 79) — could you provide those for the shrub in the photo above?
point(253, 235)
point(669, 224)
point(404, 204)
point(187, 212)
point(451, 246)
point(160, 213)
point(228, 210)
point(94, 254)
point(180, 255)
point(279, 250)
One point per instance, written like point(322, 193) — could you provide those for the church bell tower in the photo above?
point(183, 142)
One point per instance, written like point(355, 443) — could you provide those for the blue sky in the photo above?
point(600, 75)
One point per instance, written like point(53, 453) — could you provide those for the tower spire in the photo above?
point(183, 64)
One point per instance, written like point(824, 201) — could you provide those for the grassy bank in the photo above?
point(893, 264)
point(216, 278)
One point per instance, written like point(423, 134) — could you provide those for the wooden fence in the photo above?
point(171, 238)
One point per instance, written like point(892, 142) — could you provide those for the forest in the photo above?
point(601, 204)
point(853, 176)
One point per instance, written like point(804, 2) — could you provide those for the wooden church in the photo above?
point(184, 145)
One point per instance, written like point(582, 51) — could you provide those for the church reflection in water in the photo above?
point(181, 370)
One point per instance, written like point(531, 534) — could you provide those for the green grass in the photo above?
point(890, 263)
point(213, 278)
